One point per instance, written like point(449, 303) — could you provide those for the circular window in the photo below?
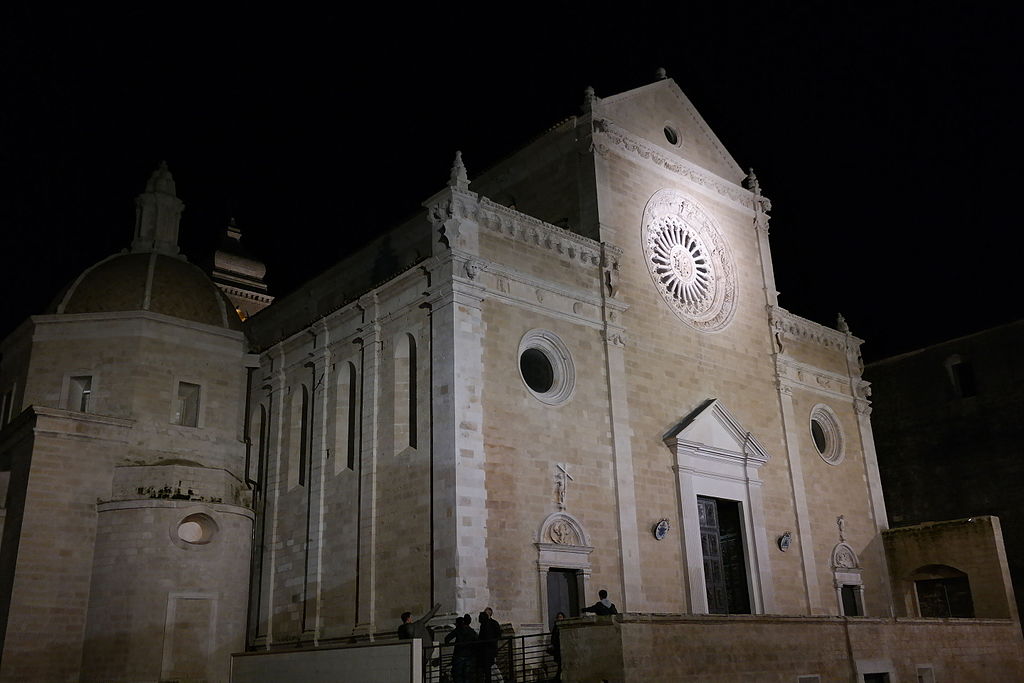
point(826, 434)
point(546, 367)
point(671, 135)
point(689, 261)
point(197, 529)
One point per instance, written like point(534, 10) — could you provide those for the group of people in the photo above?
point(474, 653)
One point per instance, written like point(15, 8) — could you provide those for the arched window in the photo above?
point(345, 418)
point(405, 393)
point(942, 591)
point(304, 435)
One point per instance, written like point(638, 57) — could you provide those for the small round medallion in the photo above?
point(660, 529)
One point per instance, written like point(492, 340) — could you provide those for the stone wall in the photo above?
point(679, 649)
point(973, 546)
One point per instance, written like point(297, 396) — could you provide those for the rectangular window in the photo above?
point(851, 601)
point(6, 407)
point(925, 674)
point(186, 411)
point(808, 679)
point(79, 393)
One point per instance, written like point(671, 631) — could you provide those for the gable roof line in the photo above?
point(689, 108)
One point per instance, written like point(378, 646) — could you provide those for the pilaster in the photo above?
point(459, 486)
point(625, 485)
point(319, 367)
point(370, 359)
point(791, 431)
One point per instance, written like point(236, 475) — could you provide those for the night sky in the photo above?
point(887, 138)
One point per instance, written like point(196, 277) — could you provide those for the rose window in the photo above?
point(689, 261)
point(681, 264)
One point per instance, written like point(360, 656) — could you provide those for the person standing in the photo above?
point(556, 645)
point(418, 629)
point(603, 606)
point(487, 650)
point(462, 657)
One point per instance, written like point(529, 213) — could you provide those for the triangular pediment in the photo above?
point(647, 110)
point(712, 427)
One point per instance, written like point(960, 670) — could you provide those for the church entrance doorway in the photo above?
point(563, 593)
point(725, 568)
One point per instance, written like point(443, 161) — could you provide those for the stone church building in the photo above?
point(569, 372)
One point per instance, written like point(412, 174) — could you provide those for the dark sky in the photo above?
point(887, 138)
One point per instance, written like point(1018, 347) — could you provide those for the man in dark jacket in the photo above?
point(463, 656)
point(487, 650)
point(603, 606)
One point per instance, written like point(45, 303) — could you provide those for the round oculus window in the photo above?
point(671, 135)
point(196, 529)
point(826, 435)
point(546, 367)
point(689, 261)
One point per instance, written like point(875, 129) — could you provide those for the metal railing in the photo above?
point(520, 659)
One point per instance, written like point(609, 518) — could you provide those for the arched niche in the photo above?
point(563, 547)
point(847, 580)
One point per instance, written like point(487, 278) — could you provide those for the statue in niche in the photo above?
point(562, 479)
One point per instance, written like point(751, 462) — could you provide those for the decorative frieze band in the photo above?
point(609, 135)
point(786, 324)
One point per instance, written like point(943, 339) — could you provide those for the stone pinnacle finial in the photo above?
point(841, 324)
point(234, 232)
point(661, 74)
point(459, 179)
point(752, 183)
point(157, 212)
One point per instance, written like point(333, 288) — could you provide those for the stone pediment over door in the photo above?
point(717, 457)
point(712, 431)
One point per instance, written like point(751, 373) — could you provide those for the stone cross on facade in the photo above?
point(562, 479)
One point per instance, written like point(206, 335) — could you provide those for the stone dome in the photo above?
point(151, 281)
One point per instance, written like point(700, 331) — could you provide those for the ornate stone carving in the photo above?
point(519, 226)
point(562, 479)
point(787, 324)
point(473, 269)
point(617, 137)
point(563, 534)
point(843, 557)
point(689, 261)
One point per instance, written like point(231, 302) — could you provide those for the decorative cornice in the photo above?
point(786, 324)
point(618, 138)
point(525, 228)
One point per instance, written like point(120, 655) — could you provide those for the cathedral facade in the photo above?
point(570, 374)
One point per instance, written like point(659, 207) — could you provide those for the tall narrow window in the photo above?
point(186, 410)
point(304, 436)
point(961, 376)
point(405, 393)
point(5, 407)
point(350, 433)
point(79, 393)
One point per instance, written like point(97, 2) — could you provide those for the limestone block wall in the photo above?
point(344, 500)
point(973, 546)
point(672, 368)
point(60, 464)
point(136, 361)
point(713, 649)
point(547, 179)
point(161, 607)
